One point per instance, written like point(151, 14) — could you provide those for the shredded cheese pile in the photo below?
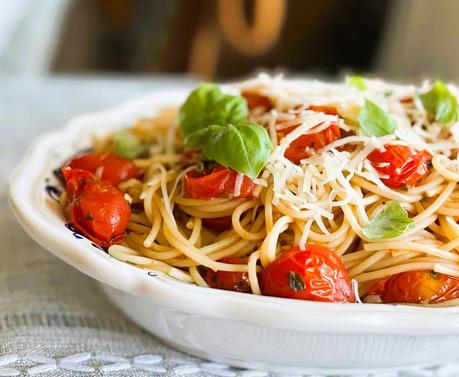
point(302, 188)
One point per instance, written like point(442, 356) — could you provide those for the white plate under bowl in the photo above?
point(243, 330)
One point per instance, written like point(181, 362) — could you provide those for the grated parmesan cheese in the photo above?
point(238, 184)
point(312, 187)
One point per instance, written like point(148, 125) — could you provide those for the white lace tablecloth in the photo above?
point(53, 320)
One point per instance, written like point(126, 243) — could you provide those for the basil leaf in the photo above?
point(356, 81)
point(244, 147)
point(207, 105)
point(440, 103)
point(374, 121)
point(128, 145)
point(391, 222)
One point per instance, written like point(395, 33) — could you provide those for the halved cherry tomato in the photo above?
point(254, 99)
point(313, 274)
point(403, 165)
point(219, 182)
point(416, 287)
point(219, 224)
point(227, 280)
point(96, 208)
point(303, 146)
point(107, 166)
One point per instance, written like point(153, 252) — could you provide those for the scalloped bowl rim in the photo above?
point(258, 310)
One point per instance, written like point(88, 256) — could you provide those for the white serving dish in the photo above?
point(243, 330)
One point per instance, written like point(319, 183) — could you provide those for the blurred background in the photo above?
point(227, 39)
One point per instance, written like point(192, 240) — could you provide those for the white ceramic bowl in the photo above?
point(243, 330)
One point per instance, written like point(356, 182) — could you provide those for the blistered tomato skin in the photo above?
point(417, 287)
point(96, 208)
point(314, 274)
point(218, 183)
point(303, 146)
point(108, 166)
point(256, 100)
point(227, 280)
point(400, 165)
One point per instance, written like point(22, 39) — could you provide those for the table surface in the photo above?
point(53, 319)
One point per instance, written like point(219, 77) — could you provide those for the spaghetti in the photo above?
point(327, 181)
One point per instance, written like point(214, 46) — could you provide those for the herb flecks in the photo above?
point(295, 281)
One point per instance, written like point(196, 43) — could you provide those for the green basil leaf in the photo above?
point(374, 121)
point(440, 103)
point(390, 223)
point(244, 147)
point(357, 82)
point(128, 145)
point(207, 105)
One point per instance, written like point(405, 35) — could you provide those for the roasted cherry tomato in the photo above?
point(303, 146)
point(230, 281)
point(417, 287)
point(96, 208)
point(402, 165)
point(107, 166)
point(254, 100)
point(218, 224)
point(313, 274)
point(218, 183)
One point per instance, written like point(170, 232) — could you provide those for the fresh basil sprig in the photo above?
point(390, 223)
point(374, 121)
point(128, 145)
point(244, 147)
point(440, 103)
point(207, 105)
point(356, 81)
point(217, 123)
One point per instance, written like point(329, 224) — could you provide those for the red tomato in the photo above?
point(254, 100)
point(107, 166)
point(417, 287)
point(229, 281)
point(96, 208)
point(406, 100)
point(326, 109)
point(220, 182)
point(301, 147)
point(219, 224)
point(403, 165)
point(313, 274)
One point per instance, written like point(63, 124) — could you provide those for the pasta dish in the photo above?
point(325, 192)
